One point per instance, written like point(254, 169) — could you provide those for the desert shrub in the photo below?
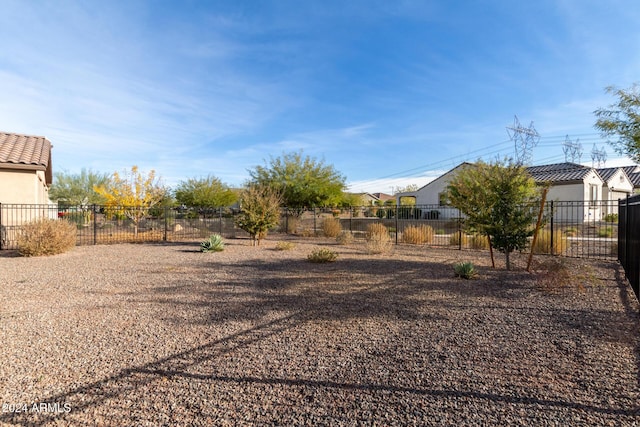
point(466, 270)
point(289, 224)
point(213, 244)
point(322, 255)
point(417, 234)
point(479, 241)
point(605, 232)
point(331, 227)
point(440, 231)
point(46, 237)
point(555, 274)
point(612, 217)
point(454, 240)
point(285, 246)
point(570, 231)
point(543, 242)
point(344, 238)
point(378, 239)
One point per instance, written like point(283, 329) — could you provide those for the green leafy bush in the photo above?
point(46, 237)
point(417, 234)
point(466, 270)
point(322, 256)
point(213, 244)
point(605, 232)
point(612, 217)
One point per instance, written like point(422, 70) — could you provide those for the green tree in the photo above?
point(209, 192)
point(406, 200)
point(622, 120)
point(499, 200)
point(132, 194)
point(259, 211)
point(303, 182)
point(78, 189)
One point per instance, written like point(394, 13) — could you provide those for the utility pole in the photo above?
point(524, 140)
point(598, 156)
point(572, 150)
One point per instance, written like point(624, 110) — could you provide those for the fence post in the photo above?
point(397, 214)
point(220, 217)
point(166, 223)
point(95, 225)
point(551, 226)
point(459, 234)
point(286, 221)
point(351, 219)
point(626, 235)
point(315, 227)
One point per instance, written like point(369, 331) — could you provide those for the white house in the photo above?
point(580, 186)
point(617, 185)
point(432, 194)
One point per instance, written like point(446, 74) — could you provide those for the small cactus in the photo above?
point(466, 270)
point(212, 244)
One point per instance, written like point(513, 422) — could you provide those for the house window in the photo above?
point(593, 194)
point(442, 199)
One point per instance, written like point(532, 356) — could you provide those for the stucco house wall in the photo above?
point(25, 178)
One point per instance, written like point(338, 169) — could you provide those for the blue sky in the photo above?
point(389, 92)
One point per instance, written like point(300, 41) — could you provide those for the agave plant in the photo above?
point(213, 244)
point(466, 270)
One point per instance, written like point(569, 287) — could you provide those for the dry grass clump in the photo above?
point(418, 234)
point(46, 237)
point(378, 239)
point(479, 241)
point(555, 274)
point(454, 240)
point(344, 238)
point(290, 224)
point(543, 242)
point(321, 256)
point(285, 246)
point(129, 237)
point(331, 227)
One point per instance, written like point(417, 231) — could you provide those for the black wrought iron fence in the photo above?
point(629, 241)
point(574, 229)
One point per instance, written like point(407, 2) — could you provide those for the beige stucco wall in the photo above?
point(23, 187)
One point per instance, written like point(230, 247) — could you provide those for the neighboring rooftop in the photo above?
point(25, 152)
point(558, 172)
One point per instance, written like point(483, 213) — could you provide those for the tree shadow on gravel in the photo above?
point(282, 295)
point(355, 288)
point(116, 400)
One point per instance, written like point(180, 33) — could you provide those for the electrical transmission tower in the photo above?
point(572, 150)
point(524, 140)
point(598, 156)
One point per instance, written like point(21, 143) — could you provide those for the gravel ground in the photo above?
point(165, 335)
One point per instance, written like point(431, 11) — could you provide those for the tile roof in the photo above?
point(635, 178)
point(607, 173)
point(25, 150)
point(559, 172)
